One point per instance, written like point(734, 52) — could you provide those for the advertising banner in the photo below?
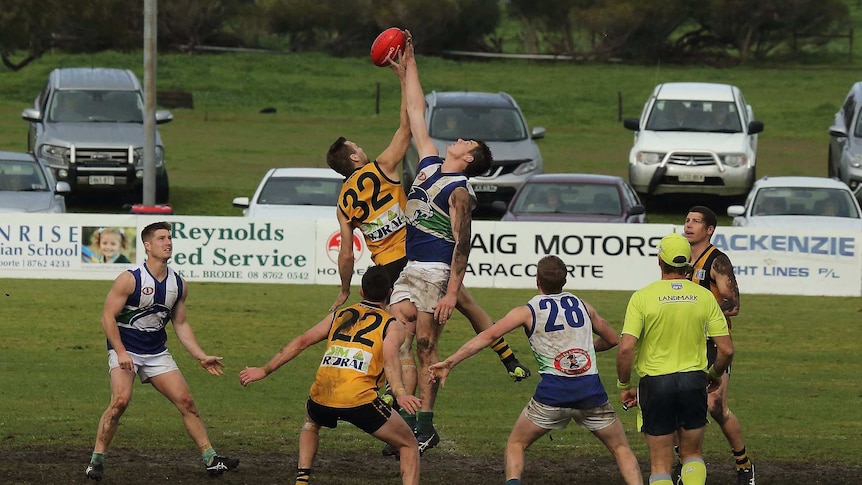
point(503, 254)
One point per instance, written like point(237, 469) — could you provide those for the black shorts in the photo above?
point(393, 269)
point(367, 417)
point(673, 401)
point(712, 353)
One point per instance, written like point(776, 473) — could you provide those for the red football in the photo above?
point(389, 43)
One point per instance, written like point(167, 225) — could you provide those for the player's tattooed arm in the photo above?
point(461, 231)
point(725, 279)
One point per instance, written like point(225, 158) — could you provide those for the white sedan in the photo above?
point(816, 203)
point(296, 193)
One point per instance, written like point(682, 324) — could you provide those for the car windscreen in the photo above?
point(476, 123)
point(804, 201)
point(696, 116)
point(80, 106)
point(21, 176)
point(566, 198)
point(300, 191)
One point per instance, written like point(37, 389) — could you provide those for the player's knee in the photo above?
point(310, 427)
point(425, 346)
point(119, 405)
point(719, 412)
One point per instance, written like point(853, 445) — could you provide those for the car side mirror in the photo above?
point(32, 114)
point(735, 210)
point(164, 116)
point(838, 132)
point(755, 127)
point(241, 202)
point(633, 124)
point(637, 210)
point(62, 188)
point(538, 133)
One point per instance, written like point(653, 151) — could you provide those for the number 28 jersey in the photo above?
point(562, 342)
point(351, 369)
point(375, 204)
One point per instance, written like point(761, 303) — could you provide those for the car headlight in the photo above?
point(526, 167)
point(736, 160)
point(855, 160)
point(54, 154)
point(139, 156)
point(649, 158)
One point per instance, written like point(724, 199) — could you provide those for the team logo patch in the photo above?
point(676, 286)
point(573, 362)
point(148, 290)
point(346, 358)
point(333, 246)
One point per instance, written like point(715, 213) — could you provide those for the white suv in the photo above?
point(694, 138)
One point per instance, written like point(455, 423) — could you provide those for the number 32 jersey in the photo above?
point(351, 369)
point(375, 204)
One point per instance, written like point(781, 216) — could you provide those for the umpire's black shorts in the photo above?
point(367, 417)
point(673, 401)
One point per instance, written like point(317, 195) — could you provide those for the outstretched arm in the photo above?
point(515, 318)
point(315, 334)
point(394, 153)
point(415, 98)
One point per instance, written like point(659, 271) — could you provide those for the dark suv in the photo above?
point(494, 118)
point(87, 124)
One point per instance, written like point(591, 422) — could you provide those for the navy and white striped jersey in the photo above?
point(148, 310)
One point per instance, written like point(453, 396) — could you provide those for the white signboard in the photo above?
point(503, 255)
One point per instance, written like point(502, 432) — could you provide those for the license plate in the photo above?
point(691, 177)
point(101, 180)
point(484, 188)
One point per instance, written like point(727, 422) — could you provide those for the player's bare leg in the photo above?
point(523, 434)
point(427, 336)
point(173, 386)
point(731, 429)
point(614, 438)
point(309, 440)
point(122, 384)
point(397, 434)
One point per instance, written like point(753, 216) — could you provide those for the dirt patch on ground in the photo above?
point(148, 466)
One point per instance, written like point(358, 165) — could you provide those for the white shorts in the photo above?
point(146, 366)
point(422, 283)
point(552, 417)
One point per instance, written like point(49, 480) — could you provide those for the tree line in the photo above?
point(641, 31)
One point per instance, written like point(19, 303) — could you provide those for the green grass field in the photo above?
point(794, 387)
point(793, 382)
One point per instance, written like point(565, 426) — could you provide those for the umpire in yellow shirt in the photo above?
point(663, 337)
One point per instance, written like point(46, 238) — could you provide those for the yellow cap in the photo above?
point(675, 250)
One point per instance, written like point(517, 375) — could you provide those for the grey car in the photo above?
point(494, 118)
point(845, 144)
point(87, 124)
point(27, 185)
point(576, 197)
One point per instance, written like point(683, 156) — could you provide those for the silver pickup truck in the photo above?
point(87, 125)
